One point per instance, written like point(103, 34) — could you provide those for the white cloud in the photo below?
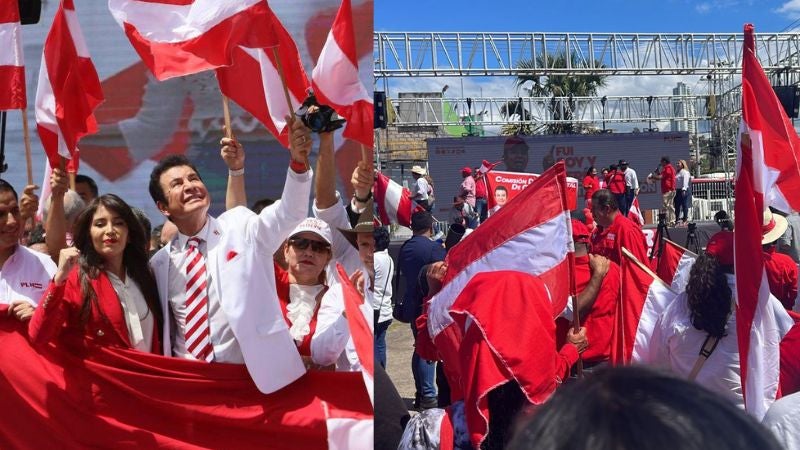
point(703, 8)
point(791, 8)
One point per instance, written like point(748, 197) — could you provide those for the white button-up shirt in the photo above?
point(226, 348)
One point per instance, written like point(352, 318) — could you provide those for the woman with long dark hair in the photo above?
point(103, 290)
point(704, 317)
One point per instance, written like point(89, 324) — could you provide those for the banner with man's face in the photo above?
point(504, 186)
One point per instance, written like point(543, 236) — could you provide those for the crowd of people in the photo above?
point(255, 289)
point(702, 316)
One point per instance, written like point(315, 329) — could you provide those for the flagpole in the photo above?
point(286, 92)
point(27, 139)
point(226, 114)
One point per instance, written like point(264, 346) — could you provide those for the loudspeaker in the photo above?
point(789, 96)
point(380, 109)
point(30, 11)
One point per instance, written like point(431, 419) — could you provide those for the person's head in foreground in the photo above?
point(637, 408)
point(308, 252)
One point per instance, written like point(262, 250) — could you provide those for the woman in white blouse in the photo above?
point(683, 181)
point(103, 292)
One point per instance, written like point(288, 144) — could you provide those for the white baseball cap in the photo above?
point(316, 226)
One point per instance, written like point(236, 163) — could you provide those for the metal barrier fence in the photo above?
point(710, 195)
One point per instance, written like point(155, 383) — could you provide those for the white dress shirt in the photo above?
point(138, 316)
point(421, 188)
point(226, 348)
point(682, 179)
point(382, 291)
point(631, 180)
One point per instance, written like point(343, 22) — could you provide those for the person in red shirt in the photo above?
point(481, 194)
point(616, 184)
point(590, 185)
point(596, 311)
point(781, 269)
point(614, 230)
point(667, 177)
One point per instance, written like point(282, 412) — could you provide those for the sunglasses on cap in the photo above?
point(303, 243)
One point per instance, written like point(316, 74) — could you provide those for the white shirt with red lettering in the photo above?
point(25, 276)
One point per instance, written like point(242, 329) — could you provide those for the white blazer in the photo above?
point(239, 257)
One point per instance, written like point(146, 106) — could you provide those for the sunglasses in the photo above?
point(303, 243)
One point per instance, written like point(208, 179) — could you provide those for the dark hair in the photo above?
point(633, 407)
point(144, 221)
point(381, 235)
point(612, 167)
point(261, 204)
point(708, 296)
point(665, 159)
point(604, 198)
point(501, 188)
point(37, 234)
point(134, 257)
point(166, 163)
point(88, 180)
point(589, 171)
point(6, 186)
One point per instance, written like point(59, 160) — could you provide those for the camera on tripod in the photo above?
point(662, 218)
point(319, 118)
point(692, 227)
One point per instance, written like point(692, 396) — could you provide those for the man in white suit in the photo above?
point(244, 321)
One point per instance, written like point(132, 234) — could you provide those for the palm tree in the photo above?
point(559, 86)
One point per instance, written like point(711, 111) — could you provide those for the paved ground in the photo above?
point(399, 348)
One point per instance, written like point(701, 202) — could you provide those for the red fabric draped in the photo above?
point(53, 397)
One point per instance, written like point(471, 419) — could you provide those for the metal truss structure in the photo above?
point(431, 54)
point(414, 111)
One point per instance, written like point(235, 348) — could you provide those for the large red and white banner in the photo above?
point(12, 65)
point(513, 183)
point(69, 89)
point(176, 38)
point(68, 395)
point(253, 80)
point(336, 82)
point(768, 174)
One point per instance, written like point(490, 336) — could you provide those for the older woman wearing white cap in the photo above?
point(302, 290)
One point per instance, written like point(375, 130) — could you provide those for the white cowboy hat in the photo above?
point(773, 227)
point(418, 170)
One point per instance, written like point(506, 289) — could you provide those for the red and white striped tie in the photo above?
point(198, 333)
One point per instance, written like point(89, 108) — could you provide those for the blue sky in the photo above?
point(586, 16)
point(602, 16)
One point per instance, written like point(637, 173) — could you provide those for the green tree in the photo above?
point(559, 86)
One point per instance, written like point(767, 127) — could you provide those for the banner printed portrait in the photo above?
point(143, 119)
point(504, 186)
point(533, 154)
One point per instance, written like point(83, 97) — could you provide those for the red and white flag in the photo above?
point(360, 330)
point(768, 174)
point(644, 297)
point(336, 83)
point(674, 265)
point(487, 166)
point(394, 202)
point(253, 80)
point(532, 234)
point(69, 89)
point(635, 213)
point(182, 37)
point(12, 64)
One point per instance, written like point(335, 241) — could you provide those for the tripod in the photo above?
point(661, 232)
point(692, 243)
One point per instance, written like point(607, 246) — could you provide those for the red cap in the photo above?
point(580, 232)
point(720, 246)
point(466, 171)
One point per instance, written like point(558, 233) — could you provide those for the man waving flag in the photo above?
point(768, 174)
